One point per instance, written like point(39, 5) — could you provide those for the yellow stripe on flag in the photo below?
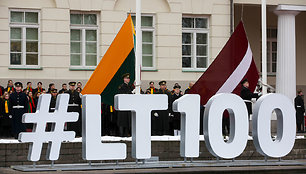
point(112, 60)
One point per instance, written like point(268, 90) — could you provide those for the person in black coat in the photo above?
point(161, 126)
point(124, 117)
point(300, 110)
point(5, 117)
point(75, 106)
point(247, 95)
point(175, 117)
point(18, 106)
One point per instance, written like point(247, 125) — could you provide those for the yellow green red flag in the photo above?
point(118, 60)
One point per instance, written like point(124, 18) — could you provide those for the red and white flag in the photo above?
point(233, 64)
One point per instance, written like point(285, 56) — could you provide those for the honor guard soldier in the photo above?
point(124, 117)
point(300, 110)
point(175, 116)
point(161, 121)
point(75, 106)
point(19, 105)
point(247, 95)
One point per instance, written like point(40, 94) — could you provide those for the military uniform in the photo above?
point(247, 96)
point(175, 116)
point(75, 106)
point(124, 117)
point(160, 124)
point(300, 110)
point(19, 106)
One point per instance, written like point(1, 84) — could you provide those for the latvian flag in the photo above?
point(233, 64)
point(118, 60)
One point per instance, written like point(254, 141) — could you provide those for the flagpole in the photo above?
point(138, 47)
point(264, 45)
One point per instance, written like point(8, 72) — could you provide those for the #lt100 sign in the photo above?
point(188, 105)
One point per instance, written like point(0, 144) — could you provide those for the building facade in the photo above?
point(62, 40)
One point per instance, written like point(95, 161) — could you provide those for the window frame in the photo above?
point(270, 62)
point(153, 30)
point(83, 28)
point(194, 31)
point(23, 27)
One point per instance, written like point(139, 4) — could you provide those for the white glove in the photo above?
point(10, 116)
point(155, 114)
point(134, 91)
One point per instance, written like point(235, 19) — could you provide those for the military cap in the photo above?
point(177, 86)
point(54, 91)
point(126, 75)
point(72, 83)
point(243, 81)
point(18, 84)
point(162, 82)
point(151, 82)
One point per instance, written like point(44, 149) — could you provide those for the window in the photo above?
point(271, 51)
point(83, 41)
point(148, 42)
point(24, 39)
point(195, 43)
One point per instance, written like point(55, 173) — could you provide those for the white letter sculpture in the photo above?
point(92, 147)
point(285, 125)
point(189, 107)
point(213, 125)
point(141, 107)
point(40, 118)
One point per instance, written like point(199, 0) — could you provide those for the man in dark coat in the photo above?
point(39, 88)
point(162, 116)
point(300, 110)
point(189, 87)
point(75, 106)
point(151, 89)
point(10, 86)
point(247, 95)
point(18, 106)
point(64, 89)
point(175, 117)
point(124, 117)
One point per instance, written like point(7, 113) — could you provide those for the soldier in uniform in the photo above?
point(64, 89)
point(19, 105)
point(300, 110)
point(75, 106)
point(247, 95)
point(175, 117)
point(162, 117)
point(151, 89)
point(124, 117)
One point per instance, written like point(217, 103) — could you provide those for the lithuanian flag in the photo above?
point(118, 60)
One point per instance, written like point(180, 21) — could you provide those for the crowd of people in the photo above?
point(16, 100)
